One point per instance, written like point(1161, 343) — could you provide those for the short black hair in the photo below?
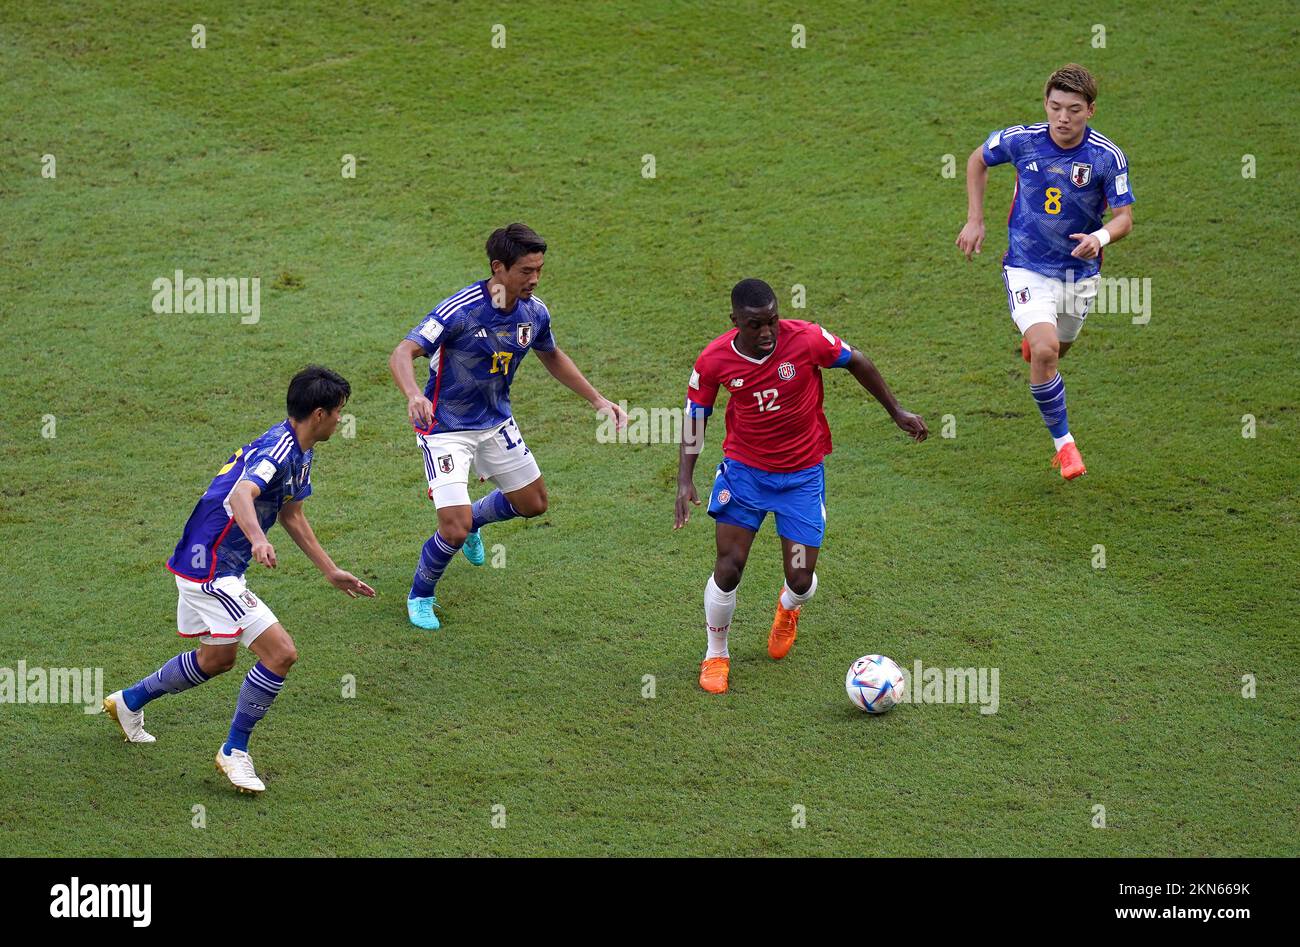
point(752, 294)
point(316, 387)
point(508, 244)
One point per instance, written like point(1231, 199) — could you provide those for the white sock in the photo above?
point(719, 606)
point(791, 600)
point(1062, 441)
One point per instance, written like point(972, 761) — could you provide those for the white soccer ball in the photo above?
point(874, 683)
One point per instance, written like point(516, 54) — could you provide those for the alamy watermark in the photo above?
point(75, 899)
point(644, 426)
point(931, 685)
point(39, 685)
point(215, 294)
point(1115, 295)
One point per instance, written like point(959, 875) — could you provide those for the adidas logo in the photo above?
point(1033, 166)
point(481, 334)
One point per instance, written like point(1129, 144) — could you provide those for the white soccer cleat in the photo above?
point(131, 721)
point(238, 767)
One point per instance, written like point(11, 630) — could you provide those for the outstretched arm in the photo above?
point(564, 371)
point(294, 521)
point(971, 238)
point(869, 377)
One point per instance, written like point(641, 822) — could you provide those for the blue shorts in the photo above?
point(744, 495)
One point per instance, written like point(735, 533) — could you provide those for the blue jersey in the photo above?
point(1058, 192)
point(474, 353)
point(212, 544)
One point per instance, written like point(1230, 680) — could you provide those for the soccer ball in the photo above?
point(874, 683)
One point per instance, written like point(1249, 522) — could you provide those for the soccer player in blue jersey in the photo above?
point(263, 480)
point(475, 340)
point(1067, 174)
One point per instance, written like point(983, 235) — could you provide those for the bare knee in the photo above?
point(799, 580)
point(282, 657)
point(1045, 351)
point(532, 503)
point(453, 534)
point(216, 659)
point(727, 572)
point(454, 524)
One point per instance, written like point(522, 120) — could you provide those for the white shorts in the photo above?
point(1034, 298)
point(498, 454)
point(222, 611)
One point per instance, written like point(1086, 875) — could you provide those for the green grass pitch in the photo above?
point(822, 166)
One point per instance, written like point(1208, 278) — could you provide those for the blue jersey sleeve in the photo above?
point(1000, 147)
point(1119, 193)
point(262, 468)
point(545, 341)
point(433, 331)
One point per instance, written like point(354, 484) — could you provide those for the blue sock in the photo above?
point(179, 674)
point(1050, 396)
point(260, 688)
point(434, 557)
point(493, 508)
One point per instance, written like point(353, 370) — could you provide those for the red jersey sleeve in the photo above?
point(702, 389)
point(828, 351)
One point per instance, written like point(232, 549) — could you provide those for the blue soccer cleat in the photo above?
point(420, 611)
point(473, 549)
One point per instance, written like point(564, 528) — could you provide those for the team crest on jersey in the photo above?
point(523, 334)
point(248, 598)
point(1080, 174)
point(724, 495)
point(1022, 295)
point(445, 463)
point(785, 371)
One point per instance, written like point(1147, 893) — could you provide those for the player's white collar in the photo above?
point(750, 358)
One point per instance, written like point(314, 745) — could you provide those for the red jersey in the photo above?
point(774, 416)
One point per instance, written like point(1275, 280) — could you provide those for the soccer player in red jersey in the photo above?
point(777, 436)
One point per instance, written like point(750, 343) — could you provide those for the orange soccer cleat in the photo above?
point(1068, 459)
point(785, 626)
point(713, 674)
point(1024, 349)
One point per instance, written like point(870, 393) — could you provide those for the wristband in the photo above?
point(1102, 235)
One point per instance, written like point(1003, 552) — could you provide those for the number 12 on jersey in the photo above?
point(767, 400)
